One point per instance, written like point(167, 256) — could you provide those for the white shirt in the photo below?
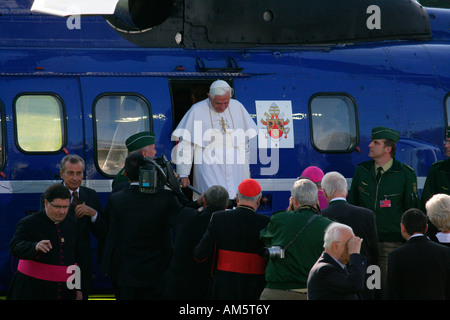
point(443, 237)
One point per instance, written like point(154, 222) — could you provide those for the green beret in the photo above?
point(385, 133)
point(140, 140)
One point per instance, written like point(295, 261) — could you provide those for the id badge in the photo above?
point(385, 203)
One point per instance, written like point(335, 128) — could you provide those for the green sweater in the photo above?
point(292, 271)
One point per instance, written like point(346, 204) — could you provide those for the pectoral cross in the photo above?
point(223, 124)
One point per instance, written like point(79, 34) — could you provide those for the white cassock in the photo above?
point(216, 144)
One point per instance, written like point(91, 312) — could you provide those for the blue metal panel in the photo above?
point(398, 84)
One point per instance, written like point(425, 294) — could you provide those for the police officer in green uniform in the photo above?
point(438, 179)
point(387, 187)
point(143, 142)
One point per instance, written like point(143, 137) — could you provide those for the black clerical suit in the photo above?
point(98, 228)
point(137, 249)
point(328, 280)
point(419, 270)
point(67, 249)
point(233, 238)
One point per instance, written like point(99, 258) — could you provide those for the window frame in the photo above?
point(63, 122)
point(94, 123)
point(446, 111)
point(3, 135)
point(311, 129)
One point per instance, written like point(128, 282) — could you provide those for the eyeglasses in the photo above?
point(59, 207)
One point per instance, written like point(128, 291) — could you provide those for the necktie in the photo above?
point(379, 174)
point(75, 199)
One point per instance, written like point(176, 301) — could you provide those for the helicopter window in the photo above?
point(116, 117)
point(39, 120)
point(333, 123)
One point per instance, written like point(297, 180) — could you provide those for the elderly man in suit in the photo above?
point(85, 204)
point(340, 270)
point(420, 269)
point(361, 220)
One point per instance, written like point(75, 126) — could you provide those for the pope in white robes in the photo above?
point(213, 139)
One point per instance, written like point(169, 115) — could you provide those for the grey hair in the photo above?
point(250, 199)
point(305, 192)
point(72, 158)
point(220, 91)
point(334, 182)
point(217, 197)
point(438, 210)
point(333, 232)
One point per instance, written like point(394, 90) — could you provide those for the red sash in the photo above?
point(43, 271)
point(241, 262)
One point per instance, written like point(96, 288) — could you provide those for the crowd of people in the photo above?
point(157, 246)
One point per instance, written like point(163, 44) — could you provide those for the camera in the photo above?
point(157, 174)
point(232, 203)
point(148, 179)
point(151, 176)
point(273, 252)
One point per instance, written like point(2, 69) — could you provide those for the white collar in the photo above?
point(78, 189)
point(338, 198)
point(416, 235)
point(443, 237)
point(339, 263)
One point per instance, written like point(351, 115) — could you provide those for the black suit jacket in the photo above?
point(362, 221)
point(420, 269)
point(327, 280)
point(138, 245)
point(186, 277)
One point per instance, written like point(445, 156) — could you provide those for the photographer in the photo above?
point(233, 237)
point(137, 250)
point(295, 241)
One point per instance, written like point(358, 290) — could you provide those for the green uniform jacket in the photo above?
point(120, 177)
point(438, 180)
point(292, 271)
point(395, 193)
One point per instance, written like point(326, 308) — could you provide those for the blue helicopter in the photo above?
point(316, 77)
